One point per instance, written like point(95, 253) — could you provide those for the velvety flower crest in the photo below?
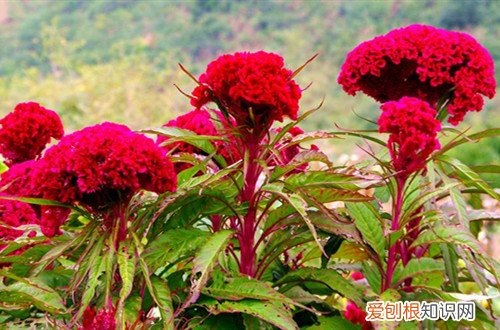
point(201, 123)
point(100, 167)
point(26, 131)
point(357, 316)
point(413, 129)
point(102, 320)
point(16, 182)
point(254, 88)
point(425, 62)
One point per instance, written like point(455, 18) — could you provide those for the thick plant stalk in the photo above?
point(246, 237)
point(392, 259)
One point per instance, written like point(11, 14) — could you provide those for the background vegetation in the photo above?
point(117, 60)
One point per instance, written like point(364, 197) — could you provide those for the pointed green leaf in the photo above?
point(329, 277)
point(369, 223)
point(205, 261)
point(271, 312)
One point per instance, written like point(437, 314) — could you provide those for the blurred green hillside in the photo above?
point(117, 60)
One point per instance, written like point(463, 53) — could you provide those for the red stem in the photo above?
point(392, 257)
point(247, 235)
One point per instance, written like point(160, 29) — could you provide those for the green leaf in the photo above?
point(126, 267)
point(96, 270)
point(299, 204)
point(417, 267)
point(271, 312)
point(173, 245)
point(372, 275)
point(468, 139)
point(331, 247)
point(327, 179)
point(328, 195)
point(3, 167)
point(468, 176)
point(160, 293)
point(32, 291)
point(329, 277)
point(336, 322)
point(450, 263)
point(240, 287)
point(205, 261)
point(369, 223)
point(164, 300)
point(449, 234)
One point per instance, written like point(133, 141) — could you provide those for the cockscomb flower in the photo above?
point(100, 168)
point(413, 129)
point(197, 121)
point(255, 88)
point(26, 131)
point(16, 182)
point(425, 62)
point(201, 123)
point(357, 316)
point(102, 320)
point(14, 214)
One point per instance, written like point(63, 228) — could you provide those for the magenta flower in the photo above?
point(100, 168)
point(201, 123)
point(413, 129)
point(424, 62)
point(255, 88)
point(102, 320)
point(26, 131)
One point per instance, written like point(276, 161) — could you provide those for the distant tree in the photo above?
point(461, 14)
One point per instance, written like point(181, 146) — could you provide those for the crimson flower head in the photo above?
point(357, 316)
point(16, 182)
point(201, 123)
point(15, 214)
point(100, 168)
point(425, 62)
point(413, 129)
point(102, 320)
point(255, 88)
point(26, 131)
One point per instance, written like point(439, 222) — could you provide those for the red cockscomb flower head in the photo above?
point(201, 123)
point(357, 316)
point(197, 121)
point(254, 88)
point(14, 214)
point(357, 276)
point(425, 62)
point(16, 182)
point(100, 168)
point(413, 129)
point(26, 131)
point(103, 320)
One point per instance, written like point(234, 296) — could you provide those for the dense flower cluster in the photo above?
point(413, 128)
point(255, 88)
point(15, 214)
point(201, 123)
point(424, 62)
point(99, 168)
point(102, 320)
point(16, 182)
point(357, 316)
point(26, 131)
